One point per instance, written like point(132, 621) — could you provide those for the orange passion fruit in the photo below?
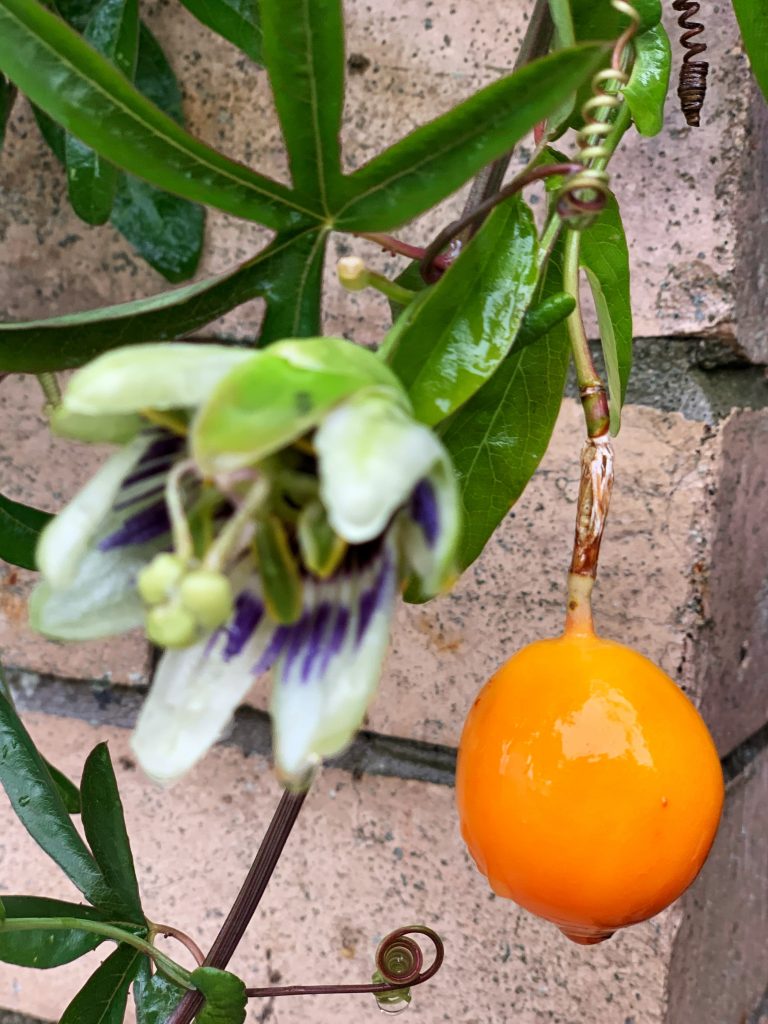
point(589, 789)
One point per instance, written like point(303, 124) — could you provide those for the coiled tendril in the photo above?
point(693, 73)
point(585, 192)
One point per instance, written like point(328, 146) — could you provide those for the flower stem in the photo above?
point(45, 924)
point(247, 899)
point(228, 540)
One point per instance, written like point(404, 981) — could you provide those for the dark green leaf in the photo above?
point(155, 996)
point(287, 273)
point(225, 998)
point(103, 998)
point(104, 824)
point(605, 258)
point(81, 90)
point(647, 87)
point(76, 12)
point(52, 133)
point(166, 230)
point(7, 96)
point(20, 527)
point(40, 808)
point(46, 948)
point(113, 31)
point(497, 439)
point(604, 21)
point(68, 791)
point(155, 78)
point(466, 323)
point(304, 54)
point(439, 157)
point(752, 16)
point(543, 318)
point(235, 20)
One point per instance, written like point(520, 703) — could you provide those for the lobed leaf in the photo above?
point(235, 20)
point(44, 949)
point(103, 998)
point(20, 527)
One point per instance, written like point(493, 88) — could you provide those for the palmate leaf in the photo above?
point(235, 20)
point(103, 998)
point(92, 100)
point(287, 273)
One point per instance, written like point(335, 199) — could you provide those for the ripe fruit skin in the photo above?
point(589, 789)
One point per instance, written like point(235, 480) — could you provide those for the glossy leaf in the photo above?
point(225, 998)
point(604, 21)
point(304, 54)
point(40, 808)
point(752, 16)
point(81, 90)
point(287, 273)
point(436, 159)
point(466, 323)
point(7, 96)
point(46, 948)
point(235, 20)
point(104, 825)
point(68, 791)
point(113, 30)
point(103, 998)
point(155, 78)
point(497, 439)
point(605, 259)
point(648, 83)
point(20, 527)
point(155, 996)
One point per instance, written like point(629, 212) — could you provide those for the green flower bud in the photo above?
point(171, 625)
point(207, 595)
point(157, 580)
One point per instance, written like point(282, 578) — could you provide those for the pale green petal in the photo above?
point(66, 538)
point(371, 456)
point(101, 429)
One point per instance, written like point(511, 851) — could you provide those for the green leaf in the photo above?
point(304, 54)
point(20, 526)
point(646, 89)
point(104, 825)
point(278, 572)
point(80, 89)
point(604, 21)
point(113, 31)
point(155, 996)
point(40, 808)
point(287, 273)
point(225, 998)
point(68, 791)
point(436, 159)
point(466, 323)
point(752, 16)
point(497, 439)
point(7, 96)
point(103, 998)
point(604, 256)
point(235, 20)
point(155, 78)
point(46, 948)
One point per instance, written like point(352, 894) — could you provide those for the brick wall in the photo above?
point(683, 578)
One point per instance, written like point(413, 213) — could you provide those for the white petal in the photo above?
point(371, 455)
point(324, 684)
point(153, 376)
point(64, 541)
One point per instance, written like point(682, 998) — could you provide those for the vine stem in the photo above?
point(248, 899)
point(31, 924)
point(51, 390)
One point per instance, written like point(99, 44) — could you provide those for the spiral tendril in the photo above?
point(693, 73)
point(585, 192)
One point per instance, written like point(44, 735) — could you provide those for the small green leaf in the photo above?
point(103, 998)
point(104, 825)
point(40, 808)
point(321, 547)
point(543, 318)
point(646, 89)
point(20, 527)
point(235, 20)
point(497, 439)
point(225, 998)
point(752, 16)
point(155, 996)
point(304, 54)
point(278, 395)
point(68, 791)
point(46, 948)
point(286, 273)
point(436, 159)
point(80, 89)
point(278, 571)
point(7, 96)
point(113, 31)
point(605, 259)
point(466, 323)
